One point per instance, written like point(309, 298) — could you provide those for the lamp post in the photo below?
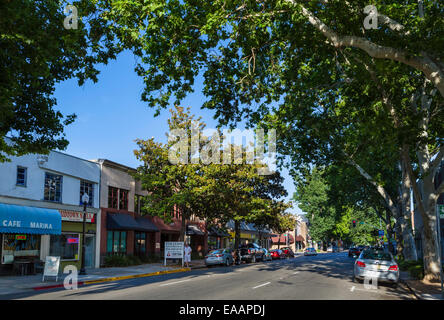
point(85, 200)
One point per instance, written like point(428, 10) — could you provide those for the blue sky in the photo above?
point(110, 116)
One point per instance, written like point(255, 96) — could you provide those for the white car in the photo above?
point(377, 264)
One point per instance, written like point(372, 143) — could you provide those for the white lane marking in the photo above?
point(167, 284)
point(352, 289)
point(261, 285)
point(296, 272)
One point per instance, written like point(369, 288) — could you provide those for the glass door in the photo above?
point(90, 244)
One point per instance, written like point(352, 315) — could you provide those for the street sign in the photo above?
point(173, 250)
point(441, 210)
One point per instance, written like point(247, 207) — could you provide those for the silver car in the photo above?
point(219, 256)
point(376, 264)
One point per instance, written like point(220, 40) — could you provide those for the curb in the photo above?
point(143, 275)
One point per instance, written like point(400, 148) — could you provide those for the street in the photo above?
point(322, 277)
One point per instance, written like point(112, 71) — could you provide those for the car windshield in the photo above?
point(376, 255)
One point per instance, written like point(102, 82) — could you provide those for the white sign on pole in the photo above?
point(173, 250)
point(52, 265)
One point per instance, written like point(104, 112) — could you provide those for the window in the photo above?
point(21, 176)
point(123, 199)
point(139, 203)
point(140, 243)
point(113, 197)
point(53, 187)
point(89, 189)
point(66, 246)
point(116, 242)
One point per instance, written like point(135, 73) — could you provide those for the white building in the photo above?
point(41, 212)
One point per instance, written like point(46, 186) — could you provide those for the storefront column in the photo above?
point(157, 243)
point(44, 246)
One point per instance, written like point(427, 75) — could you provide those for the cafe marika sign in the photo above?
point(76, 216)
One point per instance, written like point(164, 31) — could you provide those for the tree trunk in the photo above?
point(236, 234)
point(183, 226)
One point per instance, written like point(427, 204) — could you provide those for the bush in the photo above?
point(116, 261)
point(134, 260)
point(416, 272)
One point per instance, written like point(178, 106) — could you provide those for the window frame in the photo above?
point(125, 199)
point(119, 242)
point(61, 188)
point(111, 197)
point(91, 195)
point(78, 245)
point(25, 183)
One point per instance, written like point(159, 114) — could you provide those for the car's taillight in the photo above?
point(360, 264)
point(249, 251)
point(393, 268)
point(206, 257)
point(219, 255)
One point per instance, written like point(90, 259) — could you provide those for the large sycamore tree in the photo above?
point(36, 53)
point(292, 56)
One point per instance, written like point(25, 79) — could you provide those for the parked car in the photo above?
point(288, 252)
point(251, 252)
point(267, 255)
point(353, 252)
point(376, 264)
point(277, 254)
point(219, 256)
point(310, 252)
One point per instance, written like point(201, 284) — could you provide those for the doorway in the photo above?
point(90, 244)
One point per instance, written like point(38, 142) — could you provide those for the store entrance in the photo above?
point(90, 243)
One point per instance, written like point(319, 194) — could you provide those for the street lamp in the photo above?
point(85, 201)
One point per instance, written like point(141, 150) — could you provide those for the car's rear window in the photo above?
point(376, 255)
point(216, 252)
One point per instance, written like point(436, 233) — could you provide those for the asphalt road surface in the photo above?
point(325, 276)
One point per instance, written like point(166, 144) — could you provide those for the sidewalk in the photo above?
point(19, 284)
point(422, 290)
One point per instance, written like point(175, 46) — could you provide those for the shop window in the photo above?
point(140, 243)
point(21, 245)
point(116, 243)
point(66, 246)
point(53, 187)
point(88, 188)
point(21, 176)
point(123, 199)
point(113, 196)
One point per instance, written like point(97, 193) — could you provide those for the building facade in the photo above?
point(41, 210)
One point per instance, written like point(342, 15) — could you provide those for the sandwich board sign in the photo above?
point(173, 250)
point(52, 265)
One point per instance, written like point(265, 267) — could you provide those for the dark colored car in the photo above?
point(251, 252)
point(277, 254)
point(354, 252)
point(288, 252)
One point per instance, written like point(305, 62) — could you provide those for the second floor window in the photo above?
point(89, 189)
point(53, 187)
point(21, 176)
point(123, 199)
point(113, 198)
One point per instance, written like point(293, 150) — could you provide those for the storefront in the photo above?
point(129, 235)
point(197, 239)
point(24, 233)
point(68, 245)
point(217, 238)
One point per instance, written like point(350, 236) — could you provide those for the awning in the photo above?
point(30, 220)
point(300, 239)
point(282, 239)
point(121, 221)
point(193, 230)
point(146, 225)
point(216, 232)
